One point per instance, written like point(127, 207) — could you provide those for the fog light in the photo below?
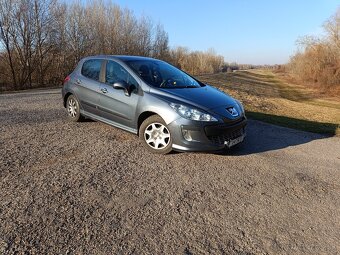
point(186, 135)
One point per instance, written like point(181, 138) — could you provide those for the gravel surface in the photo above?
point(88, 188)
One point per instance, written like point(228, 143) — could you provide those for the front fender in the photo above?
point(160, 107)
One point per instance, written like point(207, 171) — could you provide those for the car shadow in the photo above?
point(263, 137)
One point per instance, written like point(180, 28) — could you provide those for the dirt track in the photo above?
point(88, 188)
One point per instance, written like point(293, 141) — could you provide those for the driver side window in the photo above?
point(116, 73)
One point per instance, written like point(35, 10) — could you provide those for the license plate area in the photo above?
point(235, 141)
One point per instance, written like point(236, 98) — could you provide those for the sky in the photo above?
point(243, 31)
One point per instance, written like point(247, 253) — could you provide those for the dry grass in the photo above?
point(268, 97)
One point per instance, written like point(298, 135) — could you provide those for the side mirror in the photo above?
point(125, 86)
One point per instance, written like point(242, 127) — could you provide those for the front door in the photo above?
point(114, 105)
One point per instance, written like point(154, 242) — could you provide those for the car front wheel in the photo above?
point(155, 135)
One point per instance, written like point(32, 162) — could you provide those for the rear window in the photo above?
point(91, 69)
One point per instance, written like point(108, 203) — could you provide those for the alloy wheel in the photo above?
point(157, 136)
point(72, 108)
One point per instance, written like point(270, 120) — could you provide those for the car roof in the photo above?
point(122, 58)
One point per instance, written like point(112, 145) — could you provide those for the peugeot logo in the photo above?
point(232, 111)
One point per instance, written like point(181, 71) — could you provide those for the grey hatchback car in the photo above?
point(166, 107)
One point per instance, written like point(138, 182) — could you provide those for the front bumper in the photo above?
point(190, 135)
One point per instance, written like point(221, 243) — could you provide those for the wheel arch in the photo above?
point(143, 116)
point(65, 98)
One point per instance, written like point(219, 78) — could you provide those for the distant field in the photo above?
point(268, 98)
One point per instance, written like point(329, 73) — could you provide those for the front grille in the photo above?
point(232, 122)
point(220, 139)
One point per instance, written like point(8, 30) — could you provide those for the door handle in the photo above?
point(104, 90)
point(78, 81)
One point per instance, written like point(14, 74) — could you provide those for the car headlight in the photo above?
point(241, 106)
point(191, 113)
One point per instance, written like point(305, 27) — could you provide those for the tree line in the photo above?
point(318, 61)
point(41, 41)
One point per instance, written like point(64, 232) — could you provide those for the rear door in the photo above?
point(114, 105)
point(88, 85)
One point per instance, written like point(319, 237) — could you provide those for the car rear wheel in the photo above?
point(156, 135)
point(73, 109)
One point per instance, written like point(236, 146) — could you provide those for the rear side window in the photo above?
point(91, 69)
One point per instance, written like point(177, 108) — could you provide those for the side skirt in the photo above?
point(111, 123)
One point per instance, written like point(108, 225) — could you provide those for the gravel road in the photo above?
point(88, 188)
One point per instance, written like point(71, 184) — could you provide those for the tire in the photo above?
point(73, 109)
point(155, 135)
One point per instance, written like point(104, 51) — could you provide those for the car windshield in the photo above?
point(162, 75)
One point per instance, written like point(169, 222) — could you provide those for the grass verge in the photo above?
point(269, 98)
point(300, 124)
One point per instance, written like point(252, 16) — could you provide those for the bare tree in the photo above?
point(318, 61)
point(6, 30)
point(161, 44)
point(197, 62)
point(41, 41)
point(44, 27)
point(332, 27)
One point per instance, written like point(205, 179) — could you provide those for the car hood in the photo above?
point(206, 97)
